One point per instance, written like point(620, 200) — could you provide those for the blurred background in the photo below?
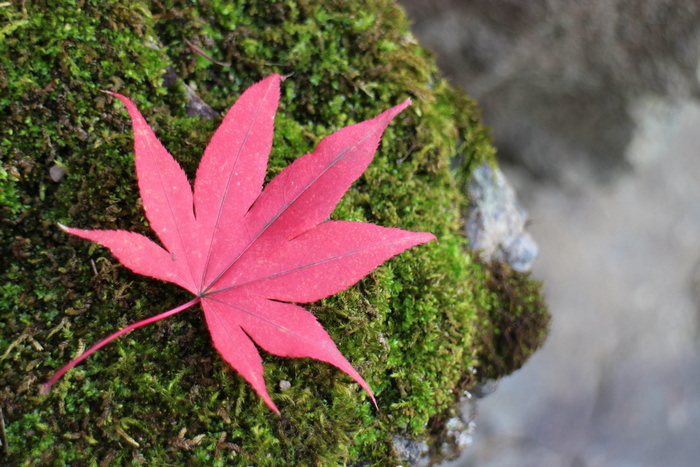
point(595, 113)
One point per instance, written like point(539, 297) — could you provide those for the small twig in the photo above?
point(126, 437)
point(6, 446)
point(58, 327)
point(405, 156)
point(201, 53)
point(15, 343)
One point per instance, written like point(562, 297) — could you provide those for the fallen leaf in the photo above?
point(247, 254)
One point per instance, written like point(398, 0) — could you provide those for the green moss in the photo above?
point(515, 323)
point(162, 394)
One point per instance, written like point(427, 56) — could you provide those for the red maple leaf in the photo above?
point(249, 254)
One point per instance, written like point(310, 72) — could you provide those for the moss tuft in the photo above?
point(514, 326)
point(162, 394)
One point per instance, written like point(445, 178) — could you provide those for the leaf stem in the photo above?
point(46, 387)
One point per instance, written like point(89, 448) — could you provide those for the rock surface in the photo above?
point(616, 383)
point(556, 79)
point(496, 221)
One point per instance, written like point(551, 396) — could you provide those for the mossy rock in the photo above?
point(162, 394)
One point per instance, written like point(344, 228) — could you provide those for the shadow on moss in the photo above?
point(518, 321)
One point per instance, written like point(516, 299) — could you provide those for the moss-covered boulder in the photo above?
point(414, 328)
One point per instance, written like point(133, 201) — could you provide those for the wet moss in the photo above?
point(162, 394)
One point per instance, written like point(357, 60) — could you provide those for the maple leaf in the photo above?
point(247, 254)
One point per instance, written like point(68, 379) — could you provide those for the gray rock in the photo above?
point(415, 453)
point(57, 172)
point(496, 222)
point(284, 385)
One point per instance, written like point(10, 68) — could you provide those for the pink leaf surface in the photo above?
point(244, 251)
